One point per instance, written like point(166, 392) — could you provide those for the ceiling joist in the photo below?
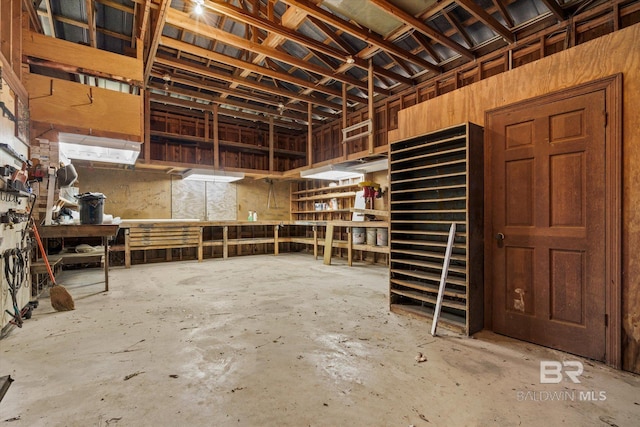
point(361, 33)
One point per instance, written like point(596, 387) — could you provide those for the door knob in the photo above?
point(499, 236)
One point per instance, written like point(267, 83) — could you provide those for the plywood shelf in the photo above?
point(431, 179)
point(304, 198)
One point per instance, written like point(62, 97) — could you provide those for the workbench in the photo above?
point(141, 235)
point(105, 231)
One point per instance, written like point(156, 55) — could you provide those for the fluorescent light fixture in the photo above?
point(330, 172)
point(98, 149)
point(211, 175)
point(372, 166)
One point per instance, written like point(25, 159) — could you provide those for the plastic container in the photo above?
point(382, 236)
point(371, 236)
point(91, 207)
point(358, 235)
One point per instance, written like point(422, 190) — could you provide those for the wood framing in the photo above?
point(70, 104)
point(83, 58)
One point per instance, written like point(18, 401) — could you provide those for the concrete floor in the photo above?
point(278, 341)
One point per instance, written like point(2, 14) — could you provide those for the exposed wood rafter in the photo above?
point(359, 32)
point(555, 8)
point(91, 22)
point(482, 15)
point(155, 40)
point(419, 25)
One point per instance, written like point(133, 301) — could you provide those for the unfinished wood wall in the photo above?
point(253, 195)
point(144, 194)
point(615, 53)
point(211, 201)
point(62, 103)
point(129, 194)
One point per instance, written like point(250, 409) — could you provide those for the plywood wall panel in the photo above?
point(76, 105)
point(84, 57)
point(253, 195)
point(221, 201)
point(187, 199)
point(618, 52)
point(129, 194)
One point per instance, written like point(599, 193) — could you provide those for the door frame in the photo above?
point(612, 87)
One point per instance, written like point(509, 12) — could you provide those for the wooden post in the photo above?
point(372, 113)
point(315, 242)
point(225, 242)
point(271, 159)
point(328, 244)
point(276, 249)
point(105, 243)
point(127, 248)
point(200, 248)
point(206, 126)
point(349, 246)
point(309, 135)
point(344, 117)
point(146, 99)
point(216, 139)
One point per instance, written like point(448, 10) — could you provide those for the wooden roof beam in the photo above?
point(224, 59)
point(165, 5)
point(246, 82)
point(504, 12)
point(169, 100)
point(360, 33)
point(33, 17)
point(425, 43)
point(484, 17)
point(91, 22)
point(455, 24)
point(118, 6)
point(333, 35)
point(84, 25)
point(47, 4)
point(208, 85)
point(144, 23)
point(262, 111)
point(183, 20)
point(555, 8)
point(308, 42)
point(419, 25)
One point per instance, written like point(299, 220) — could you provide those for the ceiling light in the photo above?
point(93, 148)
point(329, 172)
point(350, 60)
point(211, 175)
point(198, 9)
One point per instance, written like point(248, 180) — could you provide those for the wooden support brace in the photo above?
point(328, 244)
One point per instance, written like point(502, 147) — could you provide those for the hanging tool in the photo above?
point(61, 299)
point(272, 193)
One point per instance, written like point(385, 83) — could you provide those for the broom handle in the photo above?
point(44, 254)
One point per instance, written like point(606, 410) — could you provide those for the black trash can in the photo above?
point(91, 207)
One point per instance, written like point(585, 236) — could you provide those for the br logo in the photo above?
point(551, 371)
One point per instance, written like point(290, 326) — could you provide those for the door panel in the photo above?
point(547, 184)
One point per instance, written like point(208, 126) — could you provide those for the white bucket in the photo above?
point(382, 235)
point(358, 235)
point(371, 236)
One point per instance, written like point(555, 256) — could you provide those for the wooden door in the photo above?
point(548, 223)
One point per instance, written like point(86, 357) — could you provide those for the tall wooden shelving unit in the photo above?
point(437, 179)
point(319, 204)
point(305, 196)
